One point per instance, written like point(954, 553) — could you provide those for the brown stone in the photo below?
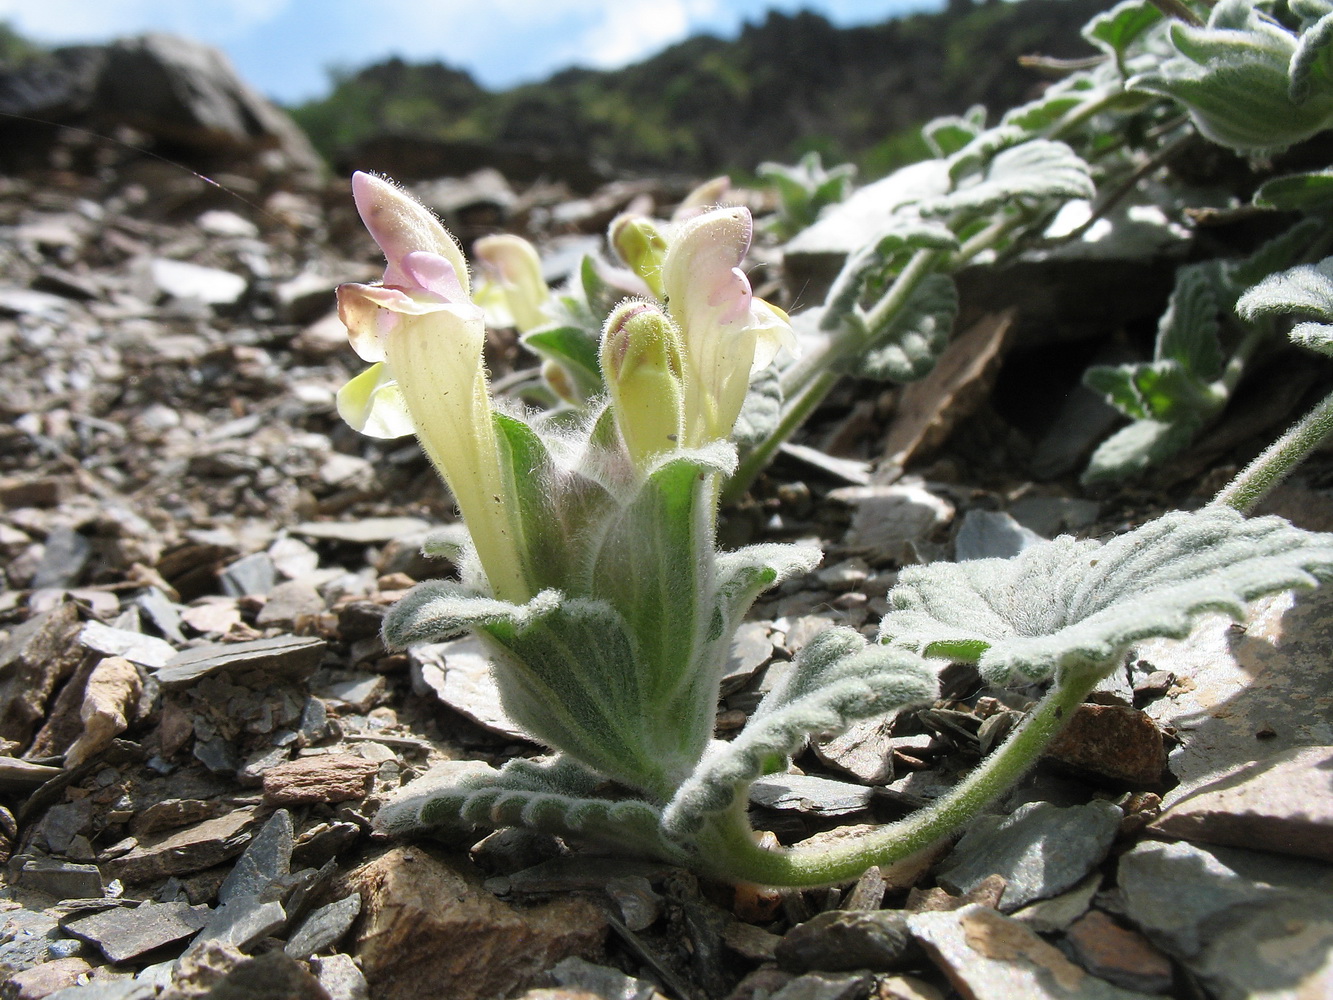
point(1113, 743)
point(183, 851)
point(429, 931)
point(988, 956)
point(36, 657)
point(987, 892)
point(1119, 955)
point(43, 980)
point(929, 410)
point(328, 778)
point(1282, 804)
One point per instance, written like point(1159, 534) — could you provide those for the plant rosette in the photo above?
point(593, 578)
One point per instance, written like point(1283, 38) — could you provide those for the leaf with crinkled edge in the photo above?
point(1038, 170)
point(1232, 77)
point(1187, 332)
point(909, 345)
point(1309, 67)
point(874, 262)
point(1136, 448)
point(744, 574)
point(558, 798)
point(572, 347)
point(653, 564)
point(843, 680)
point(1311, 191)
point(1306, 291)
point(948, 134)
point(1282, 251)
point(573, 675)
point(1077, 606)
point(440, 609)
point(1117, 30)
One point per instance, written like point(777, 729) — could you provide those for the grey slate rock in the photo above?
point(61, 879)
point(846, 940)
point(241, 923)
point(64, 558)
point(123, 934)
point(180, 279)
point(579, 975)
point(252, 574)
point(807, 793)
point(268, 856)
point(1246, 923)
point(341, 977)
point(1040, 849)
point(990, 534)
point(160, 610)
point(26, 937)
point(285, 656)
point(1180, 893)
point(818, 986)
point(120, 989)
point(324, 927)
point(1282, 804)
point(145, 650)
point(989, 956)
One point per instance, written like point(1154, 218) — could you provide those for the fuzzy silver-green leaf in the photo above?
point(1304, 291)
point(1079, 605)
point(1038, 170)
point(837, 679)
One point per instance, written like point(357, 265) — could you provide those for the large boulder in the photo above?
point(184, 95)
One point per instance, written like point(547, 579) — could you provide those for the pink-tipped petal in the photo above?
point(429, 272)
point(400, 225)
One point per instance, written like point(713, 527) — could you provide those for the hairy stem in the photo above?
point(737, 856)
point(1277, 460)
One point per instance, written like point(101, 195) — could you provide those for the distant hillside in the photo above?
point(785, 86)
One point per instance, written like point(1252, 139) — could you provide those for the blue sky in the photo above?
point(285, 47)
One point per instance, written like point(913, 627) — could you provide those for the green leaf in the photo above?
point(557, 798)
point(554, 507)
point(1117, 384)
point(1232, 77)
point(1280, 252)
point(1306, 291)
point(746, 573)
point(908, 346)
point(1137, 448)
point(837, 680)
point(441, 609)
point(1120, 27)
point(575, 349)
point(1187, 332)
point(1038, 170)
point(1055, 102)
point(947, 135)
point(1156, 390)
point(1077, 606)
point(1307, 192)
point(1309, 67)
point(872, 267)
point(570, 673)
point(654, 566)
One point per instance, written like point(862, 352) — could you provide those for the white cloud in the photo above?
point(74, 20)
point(633, 29)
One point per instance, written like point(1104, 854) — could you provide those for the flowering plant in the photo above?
point(594, 580)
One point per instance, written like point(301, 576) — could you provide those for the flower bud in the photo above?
point(513, 266)
point(640, 360)
point(641, 246)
